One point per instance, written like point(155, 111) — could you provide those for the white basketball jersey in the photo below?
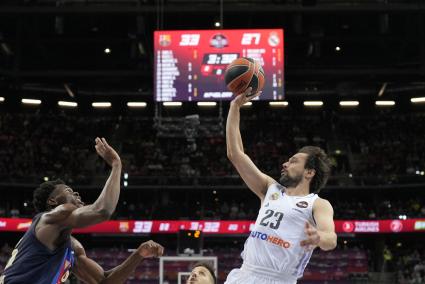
point(274, 242)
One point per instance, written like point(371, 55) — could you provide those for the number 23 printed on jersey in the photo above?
point(274, 224)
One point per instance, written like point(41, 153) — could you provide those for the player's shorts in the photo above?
point(249, 274)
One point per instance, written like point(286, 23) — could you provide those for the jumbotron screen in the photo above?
point(190, 64)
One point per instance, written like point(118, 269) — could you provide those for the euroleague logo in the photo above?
point(396, 226)
point(302, 204)
point(219, 41)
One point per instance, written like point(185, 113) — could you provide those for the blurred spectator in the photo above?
point(376, 149)
point(410, 266)
point(57, 144)
point(14, 213)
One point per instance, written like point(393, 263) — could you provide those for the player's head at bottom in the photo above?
point(202, 273)
point(310, 165)
point(51, 194)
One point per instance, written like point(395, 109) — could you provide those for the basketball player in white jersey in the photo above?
point(292, 220)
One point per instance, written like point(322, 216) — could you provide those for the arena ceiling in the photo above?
point(45, 44)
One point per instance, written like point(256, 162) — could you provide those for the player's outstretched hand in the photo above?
point(313, 237)
point(245, 97)
point(150, 249)
point(107, 152)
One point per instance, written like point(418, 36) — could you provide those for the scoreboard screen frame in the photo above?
point(189, 65)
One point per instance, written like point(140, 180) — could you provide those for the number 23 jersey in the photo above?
point(274, 241)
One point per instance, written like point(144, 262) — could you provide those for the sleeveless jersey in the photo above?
point(32, 262)
point(274, 242)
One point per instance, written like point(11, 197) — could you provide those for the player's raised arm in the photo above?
point(72, 216)
point(257, 181)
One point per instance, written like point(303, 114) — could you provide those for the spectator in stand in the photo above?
point(27, 142)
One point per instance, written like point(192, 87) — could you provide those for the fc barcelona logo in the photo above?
point(274, 196)
point(65, 277)
point(124, 227)
point(164, 40)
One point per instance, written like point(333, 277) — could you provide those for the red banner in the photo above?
point(219, 227)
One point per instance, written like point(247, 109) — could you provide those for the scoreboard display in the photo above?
point(190, 64)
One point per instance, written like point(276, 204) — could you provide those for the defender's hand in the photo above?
point(150, 249)
point(244, 97)
point(107, 152)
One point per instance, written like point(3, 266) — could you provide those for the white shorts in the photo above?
point(246, 275)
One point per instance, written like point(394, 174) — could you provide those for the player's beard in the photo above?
point(288, 181)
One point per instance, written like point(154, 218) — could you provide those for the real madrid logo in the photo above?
point(273, 39)
point(274, 196)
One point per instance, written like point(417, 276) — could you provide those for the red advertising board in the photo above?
point(219, 227)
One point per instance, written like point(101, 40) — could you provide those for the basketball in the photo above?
point(243, 73)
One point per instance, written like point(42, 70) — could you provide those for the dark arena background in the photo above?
point(351, 80)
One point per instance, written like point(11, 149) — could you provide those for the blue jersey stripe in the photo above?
point(55, 280)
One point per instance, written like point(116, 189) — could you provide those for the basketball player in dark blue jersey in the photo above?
point(47, 253)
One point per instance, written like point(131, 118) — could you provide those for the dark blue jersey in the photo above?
point(32, 262)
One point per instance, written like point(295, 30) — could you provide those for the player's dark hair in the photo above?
point(208, 267)
point(317, 160)
point(42, 193)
